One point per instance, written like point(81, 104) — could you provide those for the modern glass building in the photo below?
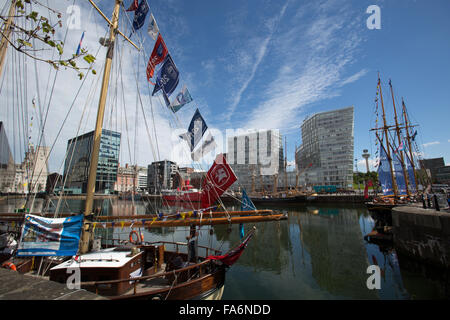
point(325, 156)
point(161, 175)
point(76, 167)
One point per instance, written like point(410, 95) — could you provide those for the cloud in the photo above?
point(312, 57)
point(428, 144)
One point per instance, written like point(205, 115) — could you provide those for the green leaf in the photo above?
point(60, 49)
point(51, 43)
point(94, 72)
point(25, 43)
point(81, 75)
point(89, 58)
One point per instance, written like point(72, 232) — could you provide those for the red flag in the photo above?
point(158, 54)
point(218, 179)
point(133, 6)
point(232, 256)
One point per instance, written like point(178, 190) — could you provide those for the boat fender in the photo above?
point(157, 297)
point(9, 265)
point(139, 238)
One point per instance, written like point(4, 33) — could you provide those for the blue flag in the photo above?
point(167, 77)
point(50, 236)
point(140, 14)
point(79, 45)
point(247, 204)
point(196, 130)
point(182, 98)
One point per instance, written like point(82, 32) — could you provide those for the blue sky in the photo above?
point(269, 64)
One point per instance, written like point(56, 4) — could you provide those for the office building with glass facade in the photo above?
point(76, 167)
point(325, 156)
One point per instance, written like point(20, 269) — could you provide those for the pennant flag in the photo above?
point(158, 54)
point(196, 130)
point(79, 46)
point(50, 237)
point(153, 29)
point(134, 5)
point(247, 204)
point(167, 77)
point(182, 98)
point(218, 179)
point(139, 15)
point(232, 256)
point(208, 145)
point(122, 224)
point(414, 136)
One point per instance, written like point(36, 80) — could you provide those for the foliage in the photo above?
point(44, 33)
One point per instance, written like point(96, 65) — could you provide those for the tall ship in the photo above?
point(52, 244)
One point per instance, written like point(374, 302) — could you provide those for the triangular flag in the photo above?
point(153, 29)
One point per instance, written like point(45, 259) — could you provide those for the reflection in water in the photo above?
point(318, 253)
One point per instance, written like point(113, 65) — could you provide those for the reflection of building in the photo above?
point(326, 154)
point(160, 175)
point(76, 167)
point(336, 247)
point(256, 156)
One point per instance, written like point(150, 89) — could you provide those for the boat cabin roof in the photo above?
point(105, 258)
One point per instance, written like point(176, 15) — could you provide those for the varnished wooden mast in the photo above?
point(87, 230)
point(385, 129)
point(408, 139)
point(6, 35)
point(397, 129)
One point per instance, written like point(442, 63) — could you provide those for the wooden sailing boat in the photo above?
point(141, 270)
point(399, 185)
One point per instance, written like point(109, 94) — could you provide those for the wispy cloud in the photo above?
point(315, 56)
point(428, 144)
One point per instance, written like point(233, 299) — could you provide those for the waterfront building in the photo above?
point(161, 176)
point(7, 168)
point(53, 181)
point(431, 166)
point(443, 175)
point(126, 179)
point(256, 157)
point(142, 173)
point(325, 156)
point(76, 167)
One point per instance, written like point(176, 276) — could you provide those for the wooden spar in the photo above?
point(397, 129)
point(408, 139)
point(86, 234)
point(195, 221)
point(6, 35)
point(110, 23)
point(385, 129)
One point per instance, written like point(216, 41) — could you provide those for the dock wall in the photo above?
point(422, 234)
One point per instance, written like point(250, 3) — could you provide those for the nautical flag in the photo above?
point(414, 136)
point(158, 54)
point(233, 255)
point(134, 5)
point(79, 45)
point(247, 204)
point(208, 145)
point(196, 130)
point(152, 27)
point(140, 14)
point(50, 236)
point(218, 179)
point(167, 77)
point(182, 98)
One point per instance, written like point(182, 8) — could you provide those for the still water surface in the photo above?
point(318, 253)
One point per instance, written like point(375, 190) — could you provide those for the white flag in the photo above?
point(152, 27)
point(208, 145)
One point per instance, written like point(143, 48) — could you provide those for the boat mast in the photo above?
point(87, 230)
point(397, 129)
point(408, 139)
point(285, 165)
point(385, 129)
point(6, 35)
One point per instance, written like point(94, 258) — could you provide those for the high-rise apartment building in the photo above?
point(161, 176)
point(325, 156)
point(76, 167)
point(256, 158)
